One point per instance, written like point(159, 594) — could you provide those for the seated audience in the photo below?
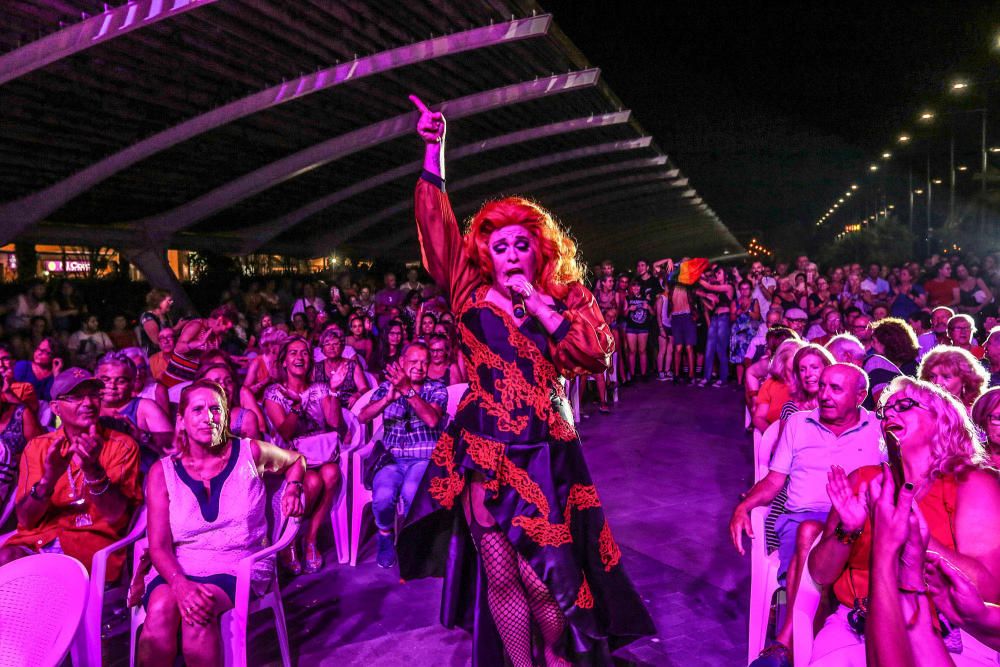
point(18, 425)
point(207, 505)
point(158, 362)
point(839, 432)
point(306, 416)
point(344, 376)
point(77, 486)
point(991, 357)
point(956, 371)
point(775, 391)
point(89, 344)
point(986, 416)
point(194, 337)
point(154, 320)
point(441, 367)
point(263, 370)
point(413, 415)
point(942, 464)
point(390, 346)
point(847, 349)
point(961, 329)
point(242, 421)
point(46, 362)
point(121, 410)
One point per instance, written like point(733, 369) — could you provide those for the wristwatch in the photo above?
point(411, 393)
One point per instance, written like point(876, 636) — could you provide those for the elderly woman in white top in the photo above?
point(206, 507)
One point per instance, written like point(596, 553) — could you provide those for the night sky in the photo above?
point(773, 109)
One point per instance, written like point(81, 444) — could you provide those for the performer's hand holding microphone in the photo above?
point(522, 293)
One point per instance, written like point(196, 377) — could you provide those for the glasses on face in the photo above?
point(77, 399)
point(900, 406)
point(994, 419)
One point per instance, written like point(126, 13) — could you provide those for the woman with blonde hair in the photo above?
point(956, 371)
point(943, 465)
point(775, 392)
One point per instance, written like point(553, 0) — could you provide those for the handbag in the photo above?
point(379, 458)
point(319, 448)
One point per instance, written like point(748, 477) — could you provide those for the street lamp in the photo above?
point(886, 155)
point(927, 116)
point(903, 138)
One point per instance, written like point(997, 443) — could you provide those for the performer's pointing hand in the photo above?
point(431, 125)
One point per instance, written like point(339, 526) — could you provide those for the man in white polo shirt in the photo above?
point(838, 432)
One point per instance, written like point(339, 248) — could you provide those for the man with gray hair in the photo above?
point(847, 349)
point(413, 417)
point(839, 432)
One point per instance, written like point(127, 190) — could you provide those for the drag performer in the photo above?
point(509, 471)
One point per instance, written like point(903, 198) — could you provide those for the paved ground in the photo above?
point(669, 464)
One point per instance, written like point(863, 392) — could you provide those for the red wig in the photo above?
point(557, 264)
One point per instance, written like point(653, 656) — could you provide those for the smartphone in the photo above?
point(895, 461)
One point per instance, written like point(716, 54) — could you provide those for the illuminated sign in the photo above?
point(72, 266)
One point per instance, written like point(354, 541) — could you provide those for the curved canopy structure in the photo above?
point(246, 126)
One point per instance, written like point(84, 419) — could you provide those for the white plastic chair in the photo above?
point(233, 624)
point(360, 496)
point(763, 448)
point(803, 612)
point(87, 650)
point(763, 583)
point(42, 598)
point(8, 508)
point(455, 394)
point(174, 392)
point(341, 510)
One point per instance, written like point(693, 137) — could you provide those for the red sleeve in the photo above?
point(441, 243)
point(583, 343)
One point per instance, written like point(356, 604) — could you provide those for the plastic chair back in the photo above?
point(763, 449)
point(8, 508)
point(455, 394)
point(42, 598)
point(763, 583)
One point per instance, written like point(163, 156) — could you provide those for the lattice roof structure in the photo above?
point(249, 125)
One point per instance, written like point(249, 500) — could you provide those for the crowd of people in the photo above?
point(880, 388)
point(843, 360)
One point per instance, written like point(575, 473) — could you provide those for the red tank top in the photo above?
point(937, 506)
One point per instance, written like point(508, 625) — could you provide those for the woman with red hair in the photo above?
point(510, 465)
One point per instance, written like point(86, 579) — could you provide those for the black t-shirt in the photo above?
point(650, 288)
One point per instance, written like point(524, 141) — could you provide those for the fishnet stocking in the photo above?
point(548, 615)
point(505, 595)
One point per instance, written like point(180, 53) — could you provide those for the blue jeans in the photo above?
point(399, 480)
point(719, 329)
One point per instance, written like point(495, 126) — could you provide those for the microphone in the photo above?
point(518, 301)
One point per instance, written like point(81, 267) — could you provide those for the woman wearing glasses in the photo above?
point(958, 499)
point(986, 415)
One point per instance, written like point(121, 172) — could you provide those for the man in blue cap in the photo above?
point(77, 486)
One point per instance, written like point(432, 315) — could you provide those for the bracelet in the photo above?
point(847, 538)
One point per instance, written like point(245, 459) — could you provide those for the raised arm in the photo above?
point(441, 243)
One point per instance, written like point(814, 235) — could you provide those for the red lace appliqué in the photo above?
point(611, 555)
point(584, 598)
point(514, 389)
point(444, 489)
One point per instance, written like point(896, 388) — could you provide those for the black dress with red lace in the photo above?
point(515, 428)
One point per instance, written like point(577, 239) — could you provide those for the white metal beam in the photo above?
point(257, 235)
point(18, 215)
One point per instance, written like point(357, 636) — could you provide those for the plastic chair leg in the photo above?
point(281, 629)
